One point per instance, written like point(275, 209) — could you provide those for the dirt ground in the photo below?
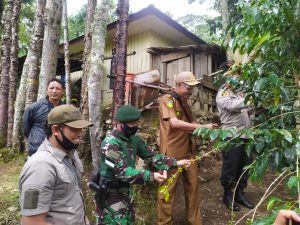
point(214, 212)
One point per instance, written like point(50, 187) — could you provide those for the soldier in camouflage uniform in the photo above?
point(117, 168)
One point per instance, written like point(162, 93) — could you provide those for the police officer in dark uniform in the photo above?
point(234, 114)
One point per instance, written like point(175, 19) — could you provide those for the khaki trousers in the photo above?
point(192, 200)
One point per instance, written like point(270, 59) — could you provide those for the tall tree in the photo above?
point(121, 54)
point(76, 23)
point(26, 25)
point(31, 69)
point(13, 73)
point(84, 104)
point(67, 52)
point(5, 65)
point(97, 71)
point(225, 20)
point(203, 26)
point(53, 16)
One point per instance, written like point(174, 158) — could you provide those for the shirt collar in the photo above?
point(56, 152)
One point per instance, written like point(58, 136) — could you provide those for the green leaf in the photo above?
point(272, 202)
point(297, 147)
point(286, 134)
point(223, 134)
point(293, 182)
point(203, 132)
point(248, 133)
point(164, 190)
point(259, 147)
point(214, 133)
point(263, 39)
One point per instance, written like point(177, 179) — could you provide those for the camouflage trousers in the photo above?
point(117, 209)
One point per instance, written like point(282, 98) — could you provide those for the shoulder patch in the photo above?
point(31, 199)
point(170, 103)
point(225, 94)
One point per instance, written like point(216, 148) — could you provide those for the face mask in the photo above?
point(66, 143)
point(128, 131)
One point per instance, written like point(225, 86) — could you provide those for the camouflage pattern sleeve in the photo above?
point(155, 160)
point(122, 166)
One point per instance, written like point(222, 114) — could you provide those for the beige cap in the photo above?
point(68, 115)
point(187, 78)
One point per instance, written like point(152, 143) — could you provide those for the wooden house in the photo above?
point(154, 41)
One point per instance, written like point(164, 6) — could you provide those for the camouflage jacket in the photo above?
point(118, 158)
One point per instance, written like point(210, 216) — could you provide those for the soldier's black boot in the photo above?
point(241, 199)
point(228, 201)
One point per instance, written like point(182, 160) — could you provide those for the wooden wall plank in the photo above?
point(174, 56)
point(184, 64)
point(203, 64)
point(197, 64)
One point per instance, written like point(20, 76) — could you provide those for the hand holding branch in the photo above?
point(284, 215)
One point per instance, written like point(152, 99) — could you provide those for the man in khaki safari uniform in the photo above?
point(176, 126)
point(49, 183)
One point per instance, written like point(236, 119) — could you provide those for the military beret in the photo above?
point(127, 113)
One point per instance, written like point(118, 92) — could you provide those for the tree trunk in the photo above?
point(53, 15)
point(121, 53)
point(225, 23)
point(31, 69)
point(13, 74)
point(95, 76)
point(67, 53)
point(85, 146)
point(5, 65)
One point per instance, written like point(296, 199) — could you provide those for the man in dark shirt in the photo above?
point(35, 115)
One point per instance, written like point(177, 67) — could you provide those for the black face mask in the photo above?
point(128, 131)
point(66, 143)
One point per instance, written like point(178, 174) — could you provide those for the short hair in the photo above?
point(58, 81)
point(48, 129)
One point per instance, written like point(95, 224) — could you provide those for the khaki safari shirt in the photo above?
point(50, 183)
point(174, 142)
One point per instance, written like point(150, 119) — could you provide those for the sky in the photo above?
point(177, 8)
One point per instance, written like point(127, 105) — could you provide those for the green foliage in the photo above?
point(26, 25)
point(6, 155)
point(205, 27)
point(269, 31)
point(76, 23)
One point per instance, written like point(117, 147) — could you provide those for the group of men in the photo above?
point(50, 190)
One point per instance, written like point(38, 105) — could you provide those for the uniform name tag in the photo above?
point(109, 163)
